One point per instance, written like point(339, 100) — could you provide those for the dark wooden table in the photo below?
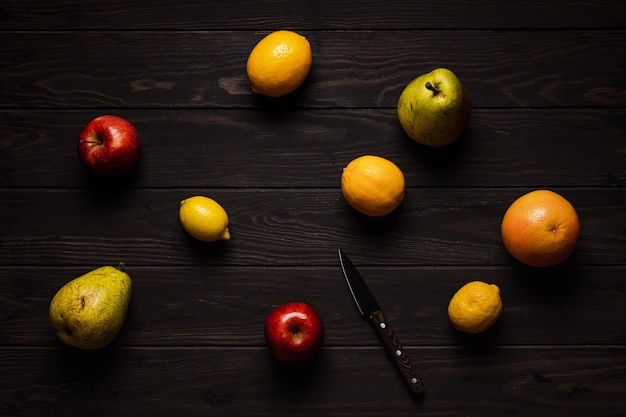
point(548, 82)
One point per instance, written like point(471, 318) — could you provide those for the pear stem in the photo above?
point(121, 266)
point(432, 88)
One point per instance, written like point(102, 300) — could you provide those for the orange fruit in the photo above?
point(279, 63)
point(475, 307)
point(372, 185)
point(540, 229)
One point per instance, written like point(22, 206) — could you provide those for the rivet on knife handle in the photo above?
point(397, 353)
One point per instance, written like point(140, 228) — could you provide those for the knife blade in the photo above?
point(370, 309)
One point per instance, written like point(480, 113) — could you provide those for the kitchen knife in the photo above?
point(369, 308)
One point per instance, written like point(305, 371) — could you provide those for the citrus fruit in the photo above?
point(204, 219)
point(279, 63)
point(540, 228)
point(475, 307)
point(372, 185)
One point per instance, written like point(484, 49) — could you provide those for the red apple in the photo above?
point(109, 146)
point(294, 332)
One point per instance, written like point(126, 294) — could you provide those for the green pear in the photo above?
point(90, 310)
point(434, 109)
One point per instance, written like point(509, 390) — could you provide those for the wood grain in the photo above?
point(310, 15)
point(304, 149)
point(548, 89)
point(285, 227)
point(226, 306)
point(340, 382)
point(513, 68)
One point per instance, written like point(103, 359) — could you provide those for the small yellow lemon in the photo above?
point(279, 63)
point(204, 219)
point(372, 185)
point(475, 307)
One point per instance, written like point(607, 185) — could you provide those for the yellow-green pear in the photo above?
point(90, 310)
point(434, 109)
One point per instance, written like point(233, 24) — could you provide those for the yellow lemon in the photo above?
point(204, 219)
point(372, 185)
point(279, 63)
point(475, 307)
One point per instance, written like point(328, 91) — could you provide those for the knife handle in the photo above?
point(397, 353)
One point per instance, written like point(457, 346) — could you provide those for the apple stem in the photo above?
point(121, 266)
point(432, 88)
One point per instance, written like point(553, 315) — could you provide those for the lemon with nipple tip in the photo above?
point(475, 307)
point(204, 219)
